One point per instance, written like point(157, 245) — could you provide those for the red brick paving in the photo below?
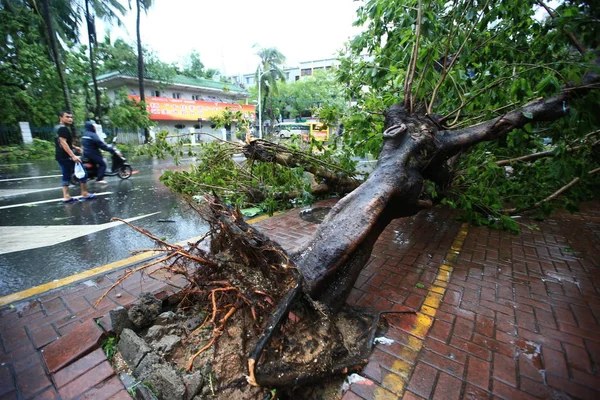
point(518, 317)
point(82, 340)
point(35, 365)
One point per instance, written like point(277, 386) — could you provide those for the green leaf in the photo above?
point(250, 212)
point(528, 115)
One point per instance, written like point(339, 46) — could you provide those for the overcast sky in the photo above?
point(225, 31)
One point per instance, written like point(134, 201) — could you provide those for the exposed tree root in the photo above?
point(291, 339)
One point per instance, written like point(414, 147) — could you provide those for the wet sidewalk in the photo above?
point(499, 315)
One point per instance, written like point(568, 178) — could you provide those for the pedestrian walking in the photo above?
point(66, 157)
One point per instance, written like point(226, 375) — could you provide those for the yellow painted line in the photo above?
point(34, 291)
point(262, 217)
point(258, 219)
point(37, 290)
point(398, 381)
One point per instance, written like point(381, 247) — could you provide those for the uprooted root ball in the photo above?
point(260, 329)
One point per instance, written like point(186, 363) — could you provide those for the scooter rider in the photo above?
point(91, 149)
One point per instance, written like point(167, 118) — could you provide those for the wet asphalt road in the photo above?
point(140, 195)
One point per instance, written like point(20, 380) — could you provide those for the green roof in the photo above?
point(177, 79)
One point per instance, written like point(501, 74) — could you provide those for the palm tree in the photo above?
point(52, 42)
point(62, 18)
point(271, 61)
point(108, 10)
point(145, 5)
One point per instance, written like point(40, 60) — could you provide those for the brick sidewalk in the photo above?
point(518, 318)
point(499, 315)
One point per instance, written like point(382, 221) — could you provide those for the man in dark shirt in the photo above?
point(66, 157)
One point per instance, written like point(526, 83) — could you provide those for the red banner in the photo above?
point(165, 109)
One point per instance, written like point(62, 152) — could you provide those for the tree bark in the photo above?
point(141, 64)
point(57, 59)
point(343, 243)
point(413, 150)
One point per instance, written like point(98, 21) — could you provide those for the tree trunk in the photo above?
point(141, 64)
point(92, 44)
point(296, 300)
point(57, 58)
point(414, 149)
point(343, 243)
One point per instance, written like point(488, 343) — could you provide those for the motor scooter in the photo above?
point(119, 166)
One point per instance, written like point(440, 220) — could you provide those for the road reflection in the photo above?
point(141, 194)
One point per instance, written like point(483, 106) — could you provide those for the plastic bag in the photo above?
point(79, 171)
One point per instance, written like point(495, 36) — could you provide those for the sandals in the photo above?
point(90, 196)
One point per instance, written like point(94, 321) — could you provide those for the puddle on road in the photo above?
point(315, 215)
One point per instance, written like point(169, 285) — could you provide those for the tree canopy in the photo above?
point(193, 67)
point(28, 80)
point(268, 73)
point(309, 96)
point(460, 65)
point(463, 63)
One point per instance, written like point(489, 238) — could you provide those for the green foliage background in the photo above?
point(475, 61)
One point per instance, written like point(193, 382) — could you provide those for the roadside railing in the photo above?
point(12, 136)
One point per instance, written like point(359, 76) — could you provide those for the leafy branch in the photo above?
point(548, 199)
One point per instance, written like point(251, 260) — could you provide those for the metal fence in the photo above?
point(125, 136)
point(11, 135)
point(43, 133)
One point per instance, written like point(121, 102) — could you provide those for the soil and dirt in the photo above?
point(243, 324)
point(180, 331)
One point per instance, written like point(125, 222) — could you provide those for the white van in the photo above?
point(288, 129)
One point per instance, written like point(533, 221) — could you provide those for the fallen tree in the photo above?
point(296, 301)
point(414, 149)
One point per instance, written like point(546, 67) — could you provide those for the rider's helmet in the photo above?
point(90, 126)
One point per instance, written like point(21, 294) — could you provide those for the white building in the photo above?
point(292, 74)
point(184, 105)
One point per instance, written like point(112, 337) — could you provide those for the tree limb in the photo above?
point(541, 154)
point(265, 151)
point(549, 198)
point(408, 98)
point(447, 70)
point(570, 35)
point(549, 109)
